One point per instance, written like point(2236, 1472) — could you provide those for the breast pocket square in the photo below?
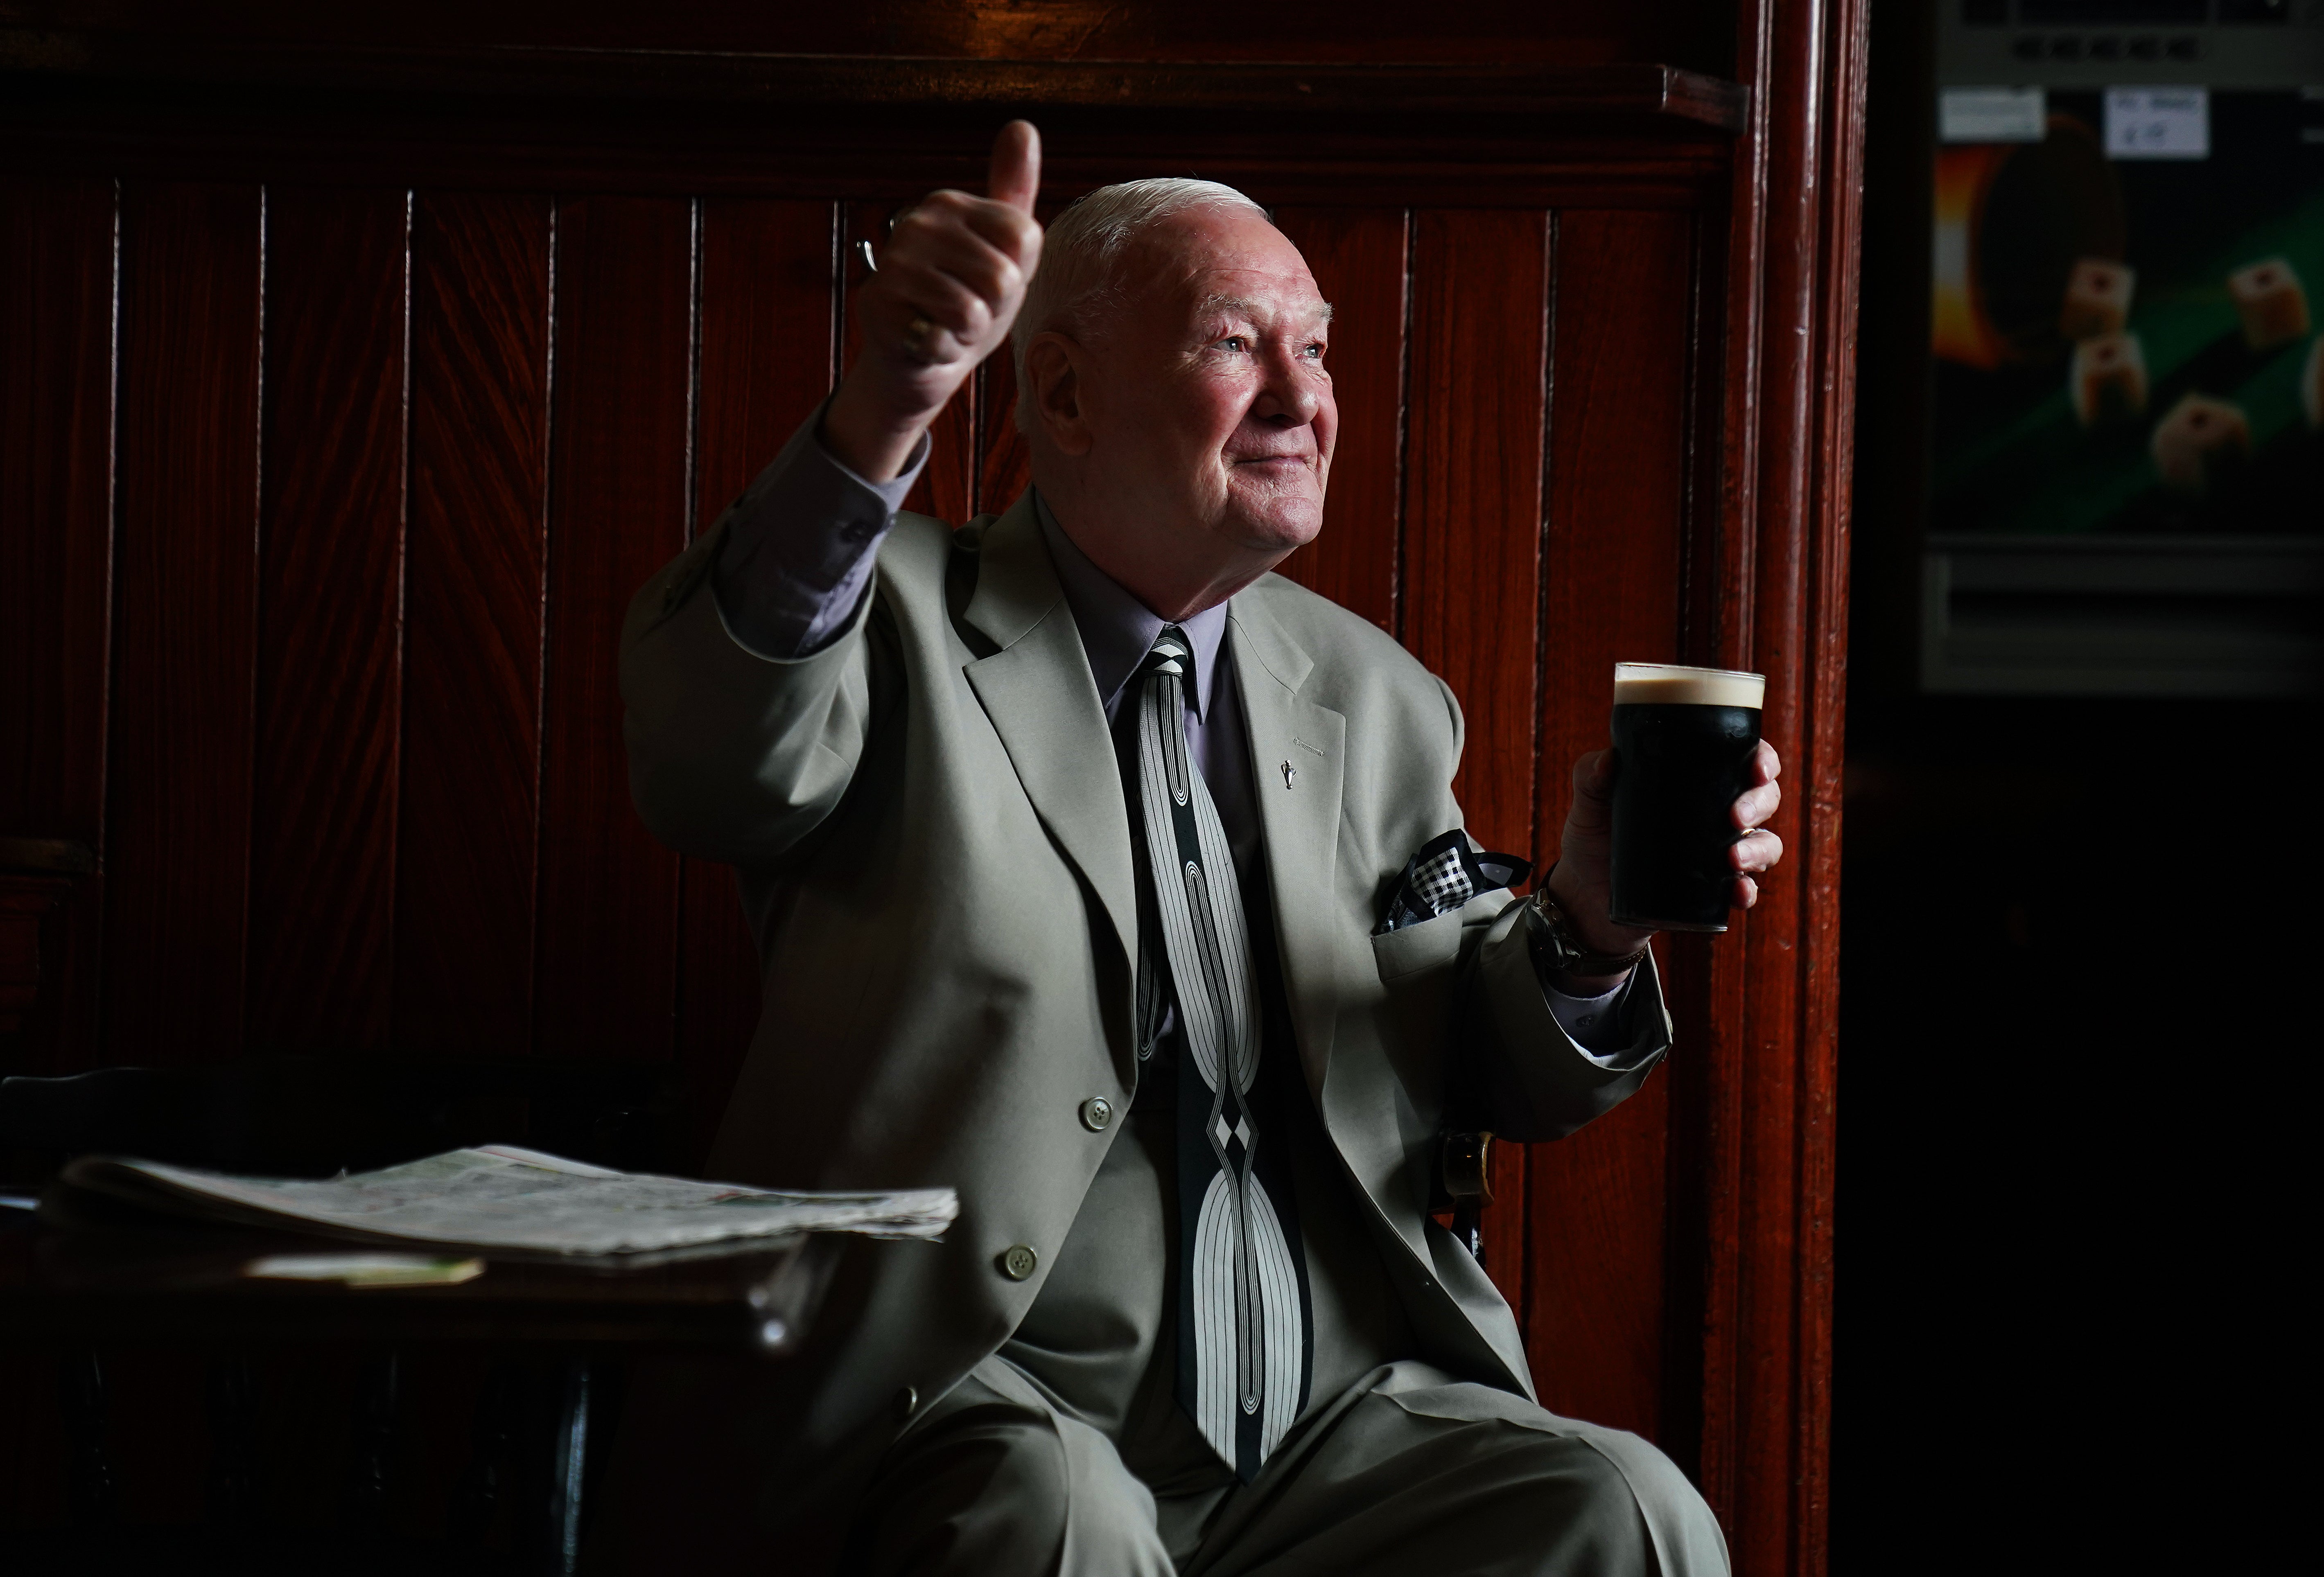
point(1445, 872)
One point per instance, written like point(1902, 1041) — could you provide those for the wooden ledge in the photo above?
point(1623, 93)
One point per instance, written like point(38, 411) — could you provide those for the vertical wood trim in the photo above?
point(179, 780)
point(551, 399)
point(1845, 83)
point(690, 873)
point(402, 604)
point(1797, 220)
point(1724, 571)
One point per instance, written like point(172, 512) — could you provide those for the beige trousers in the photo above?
point(1407, 1471)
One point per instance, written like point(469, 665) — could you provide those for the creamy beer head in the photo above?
point(1663, 684)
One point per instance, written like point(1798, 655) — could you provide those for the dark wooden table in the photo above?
point(165, 1285)
point(557, 1332)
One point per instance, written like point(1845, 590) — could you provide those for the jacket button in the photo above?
point(1018, 1262)
point(1097, 1114)
point(670, 595)
point(907, 1402)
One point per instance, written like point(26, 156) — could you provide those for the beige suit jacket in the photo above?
point(935, 856)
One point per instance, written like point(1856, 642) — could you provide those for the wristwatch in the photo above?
point(1557, 945)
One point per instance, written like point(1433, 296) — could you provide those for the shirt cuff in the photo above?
point(801, 545)
point(1595, 1023)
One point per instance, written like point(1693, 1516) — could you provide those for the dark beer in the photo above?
point(1684, 740)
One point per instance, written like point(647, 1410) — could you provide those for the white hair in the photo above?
point(1076, 285)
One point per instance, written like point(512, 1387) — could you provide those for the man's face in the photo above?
point(1211, 413)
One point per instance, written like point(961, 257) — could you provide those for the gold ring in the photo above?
point(916, 336)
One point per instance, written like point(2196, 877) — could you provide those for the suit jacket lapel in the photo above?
point(1300, 819)
point(1037, 692)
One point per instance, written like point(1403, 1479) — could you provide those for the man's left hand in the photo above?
point(1583, 880)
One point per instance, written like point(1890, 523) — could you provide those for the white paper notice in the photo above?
point(1993, 115)
point(2158, 123)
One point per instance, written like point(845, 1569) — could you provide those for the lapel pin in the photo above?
point(1289, 772)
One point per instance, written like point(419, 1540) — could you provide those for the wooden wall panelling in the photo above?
point(1815, 56)
point(1095, 31)
point(1779, 605)
point(475, 569)
point(606, 978)
point(768, 285)
point(947, 488)
point(330, 634)
point(1472, 548)
point(56, 561)
point(1358, 256)
point(1472, 492)
point(1618, 437)
point(178, 790)
point(1746, 1276)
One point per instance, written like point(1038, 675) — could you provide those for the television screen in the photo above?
point(2127, 297)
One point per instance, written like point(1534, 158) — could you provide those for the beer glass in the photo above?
point(1683, 739)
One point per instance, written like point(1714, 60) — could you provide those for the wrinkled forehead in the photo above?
point(1217, 260)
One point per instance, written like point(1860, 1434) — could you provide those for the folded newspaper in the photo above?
point(500, 1199)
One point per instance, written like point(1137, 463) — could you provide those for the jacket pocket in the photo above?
point(1430, 944)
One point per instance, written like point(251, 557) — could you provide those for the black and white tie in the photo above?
point(1245, 1346)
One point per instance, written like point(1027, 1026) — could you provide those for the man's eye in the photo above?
point(1233, 342)
point(1312, 351)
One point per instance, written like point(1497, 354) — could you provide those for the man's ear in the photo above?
point(1054, 365)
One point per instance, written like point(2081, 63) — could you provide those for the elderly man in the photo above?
point(1102, 874)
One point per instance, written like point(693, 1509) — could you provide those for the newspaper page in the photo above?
point(500, 1197)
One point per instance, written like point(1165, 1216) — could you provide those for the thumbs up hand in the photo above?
point(948, 287)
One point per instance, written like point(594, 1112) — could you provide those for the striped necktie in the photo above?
point(1244, 1342)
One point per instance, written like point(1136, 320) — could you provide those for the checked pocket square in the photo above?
point(1446, 872)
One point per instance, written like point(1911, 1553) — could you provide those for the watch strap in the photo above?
point(1570, 957)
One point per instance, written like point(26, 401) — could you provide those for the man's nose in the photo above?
point(1288, 398)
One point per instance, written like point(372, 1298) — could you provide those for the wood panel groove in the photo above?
point(1541, 831)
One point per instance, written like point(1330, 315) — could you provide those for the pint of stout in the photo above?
point(1683, 739)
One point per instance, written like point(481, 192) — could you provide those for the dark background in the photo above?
point(2078, 937)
